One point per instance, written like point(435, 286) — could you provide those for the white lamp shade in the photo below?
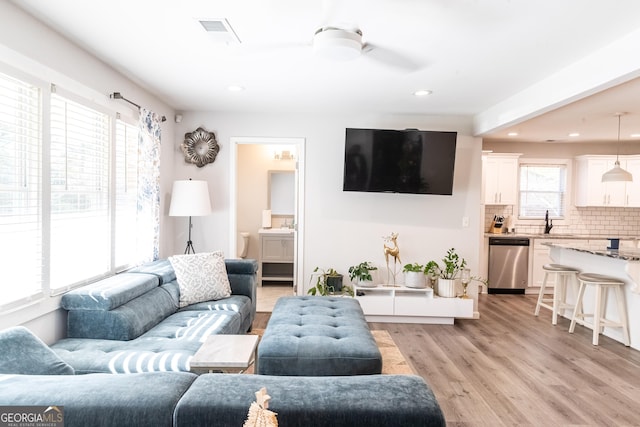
point(616, 174)
point(190, 198)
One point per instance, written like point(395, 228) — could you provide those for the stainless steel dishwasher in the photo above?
point(508, 265)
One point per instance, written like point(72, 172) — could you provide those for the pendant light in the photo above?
point(617, 173)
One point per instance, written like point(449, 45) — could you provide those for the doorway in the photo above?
point(255, 162)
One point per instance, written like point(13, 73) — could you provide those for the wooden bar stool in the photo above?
point(602, 285)
point(558, 303)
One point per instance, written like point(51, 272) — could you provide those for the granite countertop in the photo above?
point(627, 254)
point(552, 236)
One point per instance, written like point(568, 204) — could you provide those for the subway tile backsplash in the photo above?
point(596, 221)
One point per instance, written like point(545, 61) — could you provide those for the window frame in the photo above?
point(87, 98)
point(567, 163)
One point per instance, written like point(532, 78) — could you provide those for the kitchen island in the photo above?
point(623, 264)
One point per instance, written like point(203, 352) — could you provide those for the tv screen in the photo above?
point(399, 161)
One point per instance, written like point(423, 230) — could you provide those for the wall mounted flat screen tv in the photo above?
point(399, 161)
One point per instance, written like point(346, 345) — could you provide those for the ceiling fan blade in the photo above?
point(391, 58)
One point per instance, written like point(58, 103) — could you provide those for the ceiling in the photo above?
point(472, 55)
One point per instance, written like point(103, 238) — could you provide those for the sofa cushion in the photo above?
point(137, 356)
point(125, 322)
point(196, 325)
point(21, 352)
point(161, 268)
point(102, 399)
point(364, 400)
point(109, 293)
point(201, 277)
point(236, 303)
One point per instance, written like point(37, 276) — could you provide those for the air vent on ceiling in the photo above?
point(219, 30)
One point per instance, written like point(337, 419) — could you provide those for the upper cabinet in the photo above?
point(591, 191)
point(500, 179)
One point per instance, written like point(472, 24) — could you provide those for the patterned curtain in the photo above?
point(149, 186)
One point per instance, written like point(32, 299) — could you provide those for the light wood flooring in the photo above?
point(510, 368)
point(267, 295)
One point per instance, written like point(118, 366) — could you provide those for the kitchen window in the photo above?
point(542, 188)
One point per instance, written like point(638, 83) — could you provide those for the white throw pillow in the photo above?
point(201, 277)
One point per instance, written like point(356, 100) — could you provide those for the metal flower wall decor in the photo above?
point(200, 147)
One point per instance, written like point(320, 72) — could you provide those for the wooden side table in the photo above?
point(226, 354)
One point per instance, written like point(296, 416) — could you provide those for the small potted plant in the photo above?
point(432, 271)
point(449, 273)
point(414, 275)
point(361, 273)
point(328, 282)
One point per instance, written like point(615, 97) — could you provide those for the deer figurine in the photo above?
point(392, 251)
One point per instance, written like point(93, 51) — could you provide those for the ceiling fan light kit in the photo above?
point(337, 44)
point(617, 174)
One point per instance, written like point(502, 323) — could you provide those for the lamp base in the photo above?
point(189, 249)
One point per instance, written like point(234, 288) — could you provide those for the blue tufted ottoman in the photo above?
point(318, 336)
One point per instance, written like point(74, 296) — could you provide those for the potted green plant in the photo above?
point(361, 273)
point(448, 273)
point(432, 271)
point(328, 282)
point(414, 275)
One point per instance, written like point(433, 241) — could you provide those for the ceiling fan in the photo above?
point(343, 44)
point(340, 37)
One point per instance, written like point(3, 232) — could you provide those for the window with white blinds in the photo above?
point(20, 190)
point(126, 194)
point(542, 189)
point(80, 216)
point(69, 175)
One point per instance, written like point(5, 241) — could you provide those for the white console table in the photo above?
point(400, 304)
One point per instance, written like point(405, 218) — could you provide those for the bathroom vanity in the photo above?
point(276, 256)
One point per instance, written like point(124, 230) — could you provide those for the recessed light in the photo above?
point(235, 88)
point(512, 134)
point(574, 134)
point(635, 135)
point(422, 92)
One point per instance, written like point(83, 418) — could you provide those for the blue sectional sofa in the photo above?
point(132, 322)
point(32, 374)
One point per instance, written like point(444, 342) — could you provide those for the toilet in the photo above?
point(244, 244)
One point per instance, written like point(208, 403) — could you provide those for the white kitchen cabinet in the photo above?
point(591, 191)
point(276, 258)
point(541, 257)
point(633, 187)
point(500, 179)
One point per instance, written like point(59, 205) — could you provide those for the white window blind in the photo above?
point(80, 217)
point(542, 188)
point(20, 191)
point(126, 244)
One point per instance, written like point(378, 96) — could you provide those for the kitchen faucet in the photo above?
point(548, 224)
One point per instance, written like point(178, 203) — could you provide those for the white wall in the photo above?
point(342, 229)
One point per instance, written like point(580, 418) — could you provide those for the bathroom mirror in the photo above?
point(282, 192)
